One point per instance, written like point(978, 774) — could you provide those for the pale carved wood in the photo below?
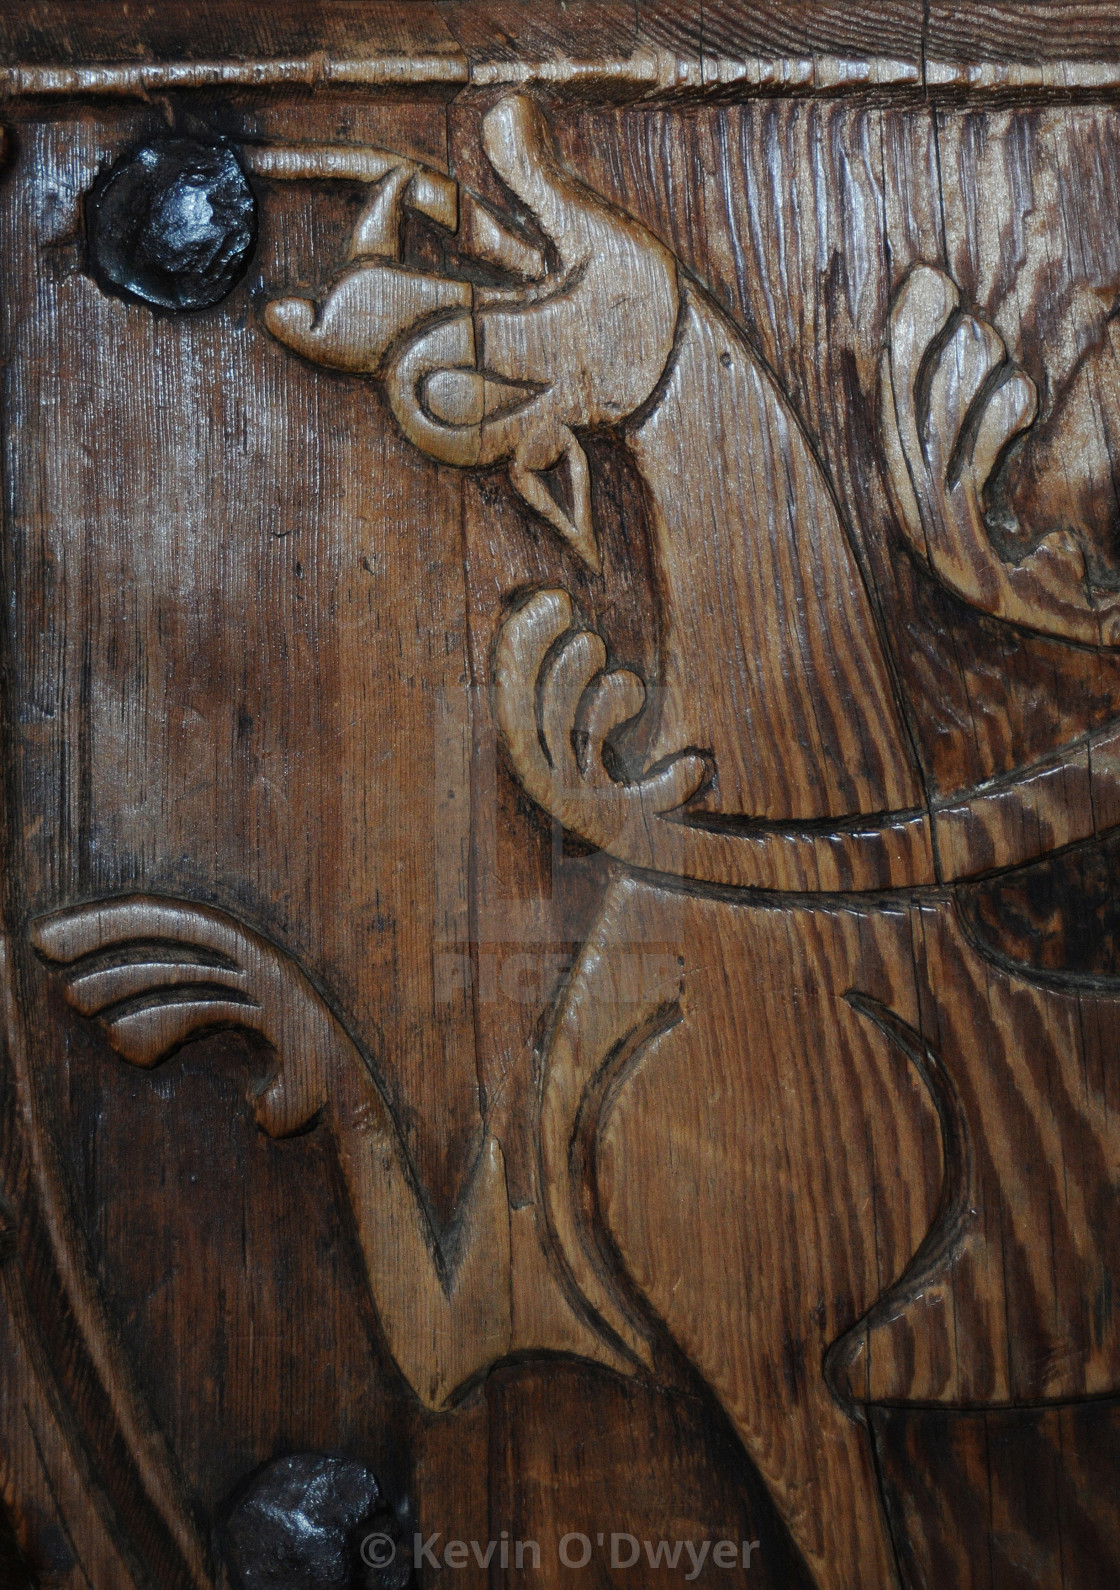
point(600, 656)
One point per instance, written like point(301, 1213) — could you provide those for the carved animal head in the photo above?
point(481, 375)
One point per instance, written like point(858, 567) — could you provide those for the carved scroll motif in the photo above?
point(952, 404)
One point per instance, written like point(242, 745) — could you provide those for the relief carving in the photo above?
point(155, 973)
point(952, 405)
point(507, 375)
point(793, 1269)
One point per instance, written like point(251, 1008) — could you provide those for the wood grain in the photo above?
point(996, 33)
point(1006, 1501)
point(593, 48)
point(563, 1440)
point(763, 1097)
point(553, 695)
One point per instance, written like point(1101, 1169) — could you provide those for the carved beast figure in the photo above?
point(779, 762)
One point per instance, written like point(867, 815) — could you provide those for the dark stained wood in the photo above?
point(561, 779)
point(1057, 917)
point(649, 47)
point(13, 1564)
point(730, 230)
point(1002, 1498)
point(731, 28)
point(357, 38)
point(563, 1440)
point(997, 32)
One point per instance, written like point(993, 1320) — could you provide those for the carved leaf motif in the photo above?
point(556, 704)
point(951, 405)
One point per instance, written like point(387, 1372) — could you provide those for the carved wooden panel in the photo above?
point(561, 786)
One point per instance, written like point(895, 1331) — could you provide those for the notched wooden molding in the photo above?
point(645, 74)
point(656, 50)
point(310, 71)
point(999, 77)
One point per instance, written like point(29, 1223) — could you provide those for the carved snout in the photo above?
point(481, 375)
point(363, 315)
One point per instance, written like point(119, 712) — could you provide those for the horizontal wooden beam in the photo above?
point(615, 49)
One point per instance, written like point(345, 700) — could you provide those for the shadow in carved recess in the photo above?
point(14, 1572)
point(799, 1044)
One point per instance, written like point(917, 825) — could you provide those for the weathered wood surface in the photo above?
point(617, 48)
point(561, 789)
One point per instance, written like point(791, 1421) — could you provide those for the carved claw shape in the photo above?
point(951, 403)
point(155, 973)
point(480, 376)
point(556, 705)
